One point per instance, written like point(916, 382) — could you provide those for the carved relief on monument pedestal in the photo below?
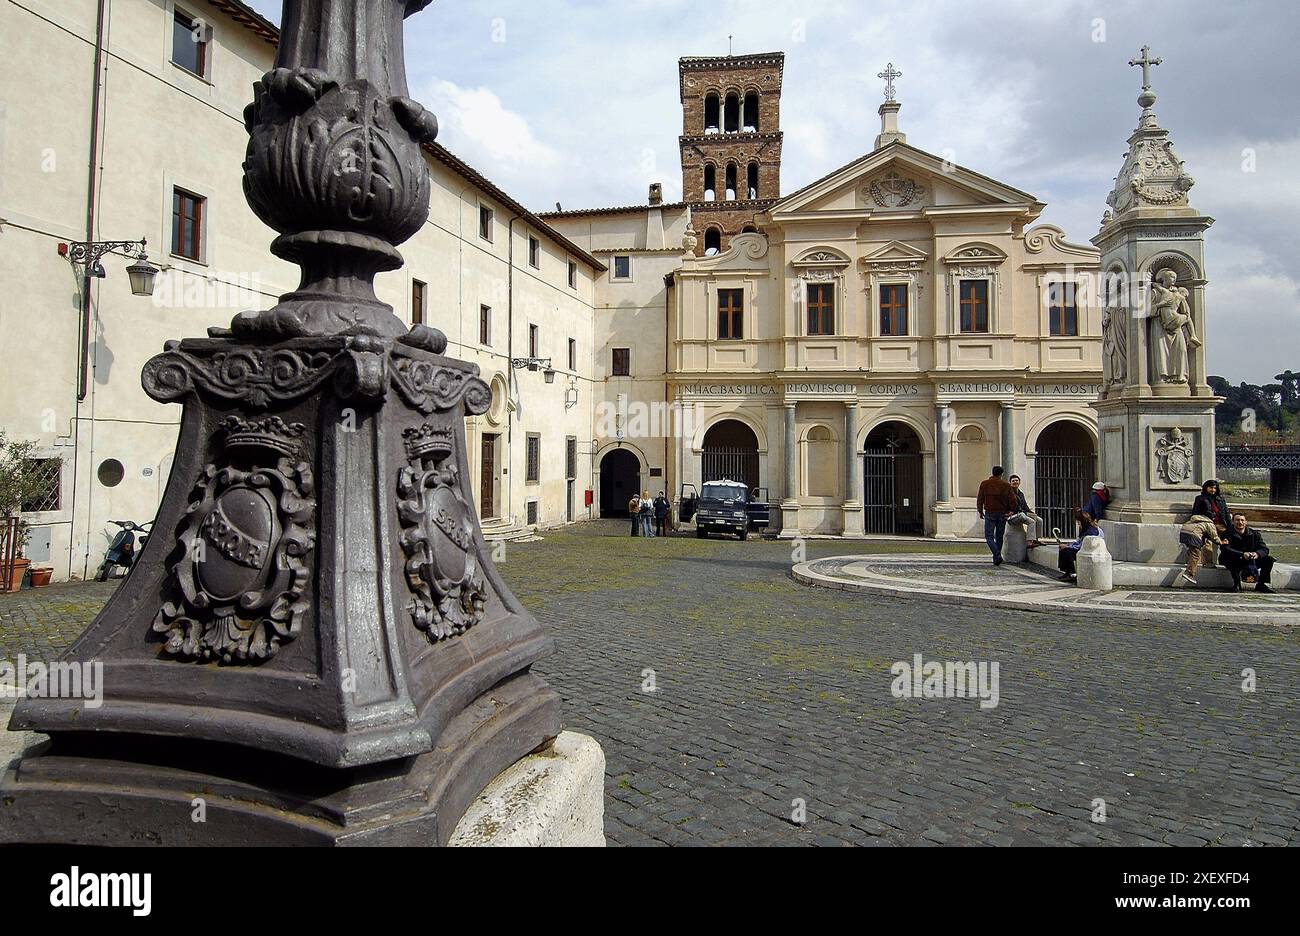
point(1175, 457)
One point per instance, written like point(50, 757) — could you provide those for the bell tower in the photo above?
point(730, 142)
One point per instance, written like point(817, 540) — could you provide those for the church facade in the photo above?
point(863, 350)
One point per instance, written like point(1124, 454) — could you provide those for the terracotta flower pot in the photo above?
point(41, 577)
point(16, 573)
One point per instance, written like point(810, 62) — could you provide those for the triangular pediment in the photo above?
point(896, 252)
point(900, 178)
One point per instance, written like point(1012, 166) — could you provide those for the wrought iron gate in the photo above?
point(892, 494)
point(1061, 483)
point(731, 464)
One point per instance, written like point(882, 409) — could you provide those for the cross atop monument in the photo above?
point(1146, 61)
point(889, 74)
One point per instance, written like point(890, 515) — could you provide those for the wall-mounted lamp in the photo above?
point(87, 255)
point(534, 364)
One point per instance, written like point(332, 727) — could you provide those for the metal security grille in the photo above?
point(1061, 483)
point(570, 457)
point(47, 475)
point(533, 461)
point(531, 511)
point(730, 464)
point(892, 481)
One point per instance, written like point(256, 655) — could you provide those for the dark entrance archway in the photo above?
point(892, 481)
point(730, 453)
point(1065, 466)
point(620, 478)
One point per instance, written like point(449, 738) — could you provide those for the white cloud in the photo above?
point(475, 125)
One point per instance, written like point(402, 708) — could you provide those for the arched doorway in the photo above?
point(730, 453)
point(1065, 466)
point(620, 478)
point(892, 481)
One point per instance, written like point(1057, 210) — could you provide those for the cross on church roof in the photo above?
point(1146, 61)
point(889, 74)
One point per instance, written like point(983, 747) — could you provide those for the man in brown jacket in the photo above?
point(996, 499)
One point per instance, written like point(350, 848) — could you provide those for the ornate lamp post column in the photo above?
point(315, 635)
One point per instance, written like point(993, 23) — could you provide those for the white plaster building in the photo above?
point(161, 111)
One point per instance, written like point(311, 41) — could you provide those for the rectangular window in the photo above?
point(190, 44)
point(485, 325)
point(622, 362)
point(534, 252)
point(731, 313)
point(1062, 310)
point(187, 224)
point(974, 301)
point(573, 274)
point(532, 341)
point(573, 355)
point(531, 511)
point(821, 308)
point(893, 310)
point(570, 457)
point(622, 268)
point(417, 302)
point(485, 222)
point(533, 463)
point(46, 475)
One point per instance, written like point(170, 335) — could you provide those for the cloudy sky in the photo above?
point(576, 102)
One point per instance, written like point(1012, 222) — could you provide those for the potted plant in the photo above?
point(40, 575)
point(18, 484)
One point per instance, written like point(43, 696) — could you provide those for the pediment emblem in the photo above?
point(895, 191)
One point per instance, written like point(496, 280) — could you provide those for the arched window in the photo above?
point(749, 229)
point(731, 116)
point(710, 182)
point(751, 111)
point(711, 108)
point(712, 241)
point(753, 180)
point(731, 181)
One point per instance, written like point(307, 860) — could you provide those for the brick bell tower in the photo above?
point(730, 142)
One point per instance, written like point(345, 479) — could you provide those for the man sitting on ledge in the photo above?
point(1069, 553)
point(1245, 555)
point(1199, 536)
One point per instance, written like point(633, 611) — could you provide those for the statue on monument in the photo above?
point(1170, 308)
point(1114, 344)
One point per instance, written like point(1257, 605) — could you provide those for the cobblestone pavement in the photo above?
point(768, 692)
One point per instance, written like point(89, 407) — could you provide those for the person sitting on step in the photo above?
point(1199, 536)
point(1245, 554)
point(1068, 556)
point(1024, 517)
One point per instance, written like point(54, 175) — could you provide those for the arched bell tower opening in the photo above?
point(731, 140)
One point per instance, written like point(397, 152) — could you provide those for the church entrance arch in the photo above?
point(730, 452)
point(892, 481)
point(1065, 466)
point(620, 478)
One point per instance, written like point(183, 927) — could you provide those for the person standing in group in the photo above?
point(634, 510)
point(647, 514)
point(661, 507)
point(995, 501)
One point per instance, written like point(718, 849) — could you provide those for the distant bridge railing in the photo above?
point(1268, 455)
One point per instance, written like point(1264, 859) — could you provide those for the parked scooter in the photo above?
point(122, 551)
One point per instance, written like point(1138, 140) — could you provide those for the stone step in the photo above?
point(1138, 574)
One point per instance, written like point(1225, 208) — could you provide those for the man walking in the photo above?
point(995, 501)
point(1245, 554)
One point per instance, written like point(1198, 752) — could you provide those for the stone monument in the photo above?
point(314, 644)
point(1156, 410)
